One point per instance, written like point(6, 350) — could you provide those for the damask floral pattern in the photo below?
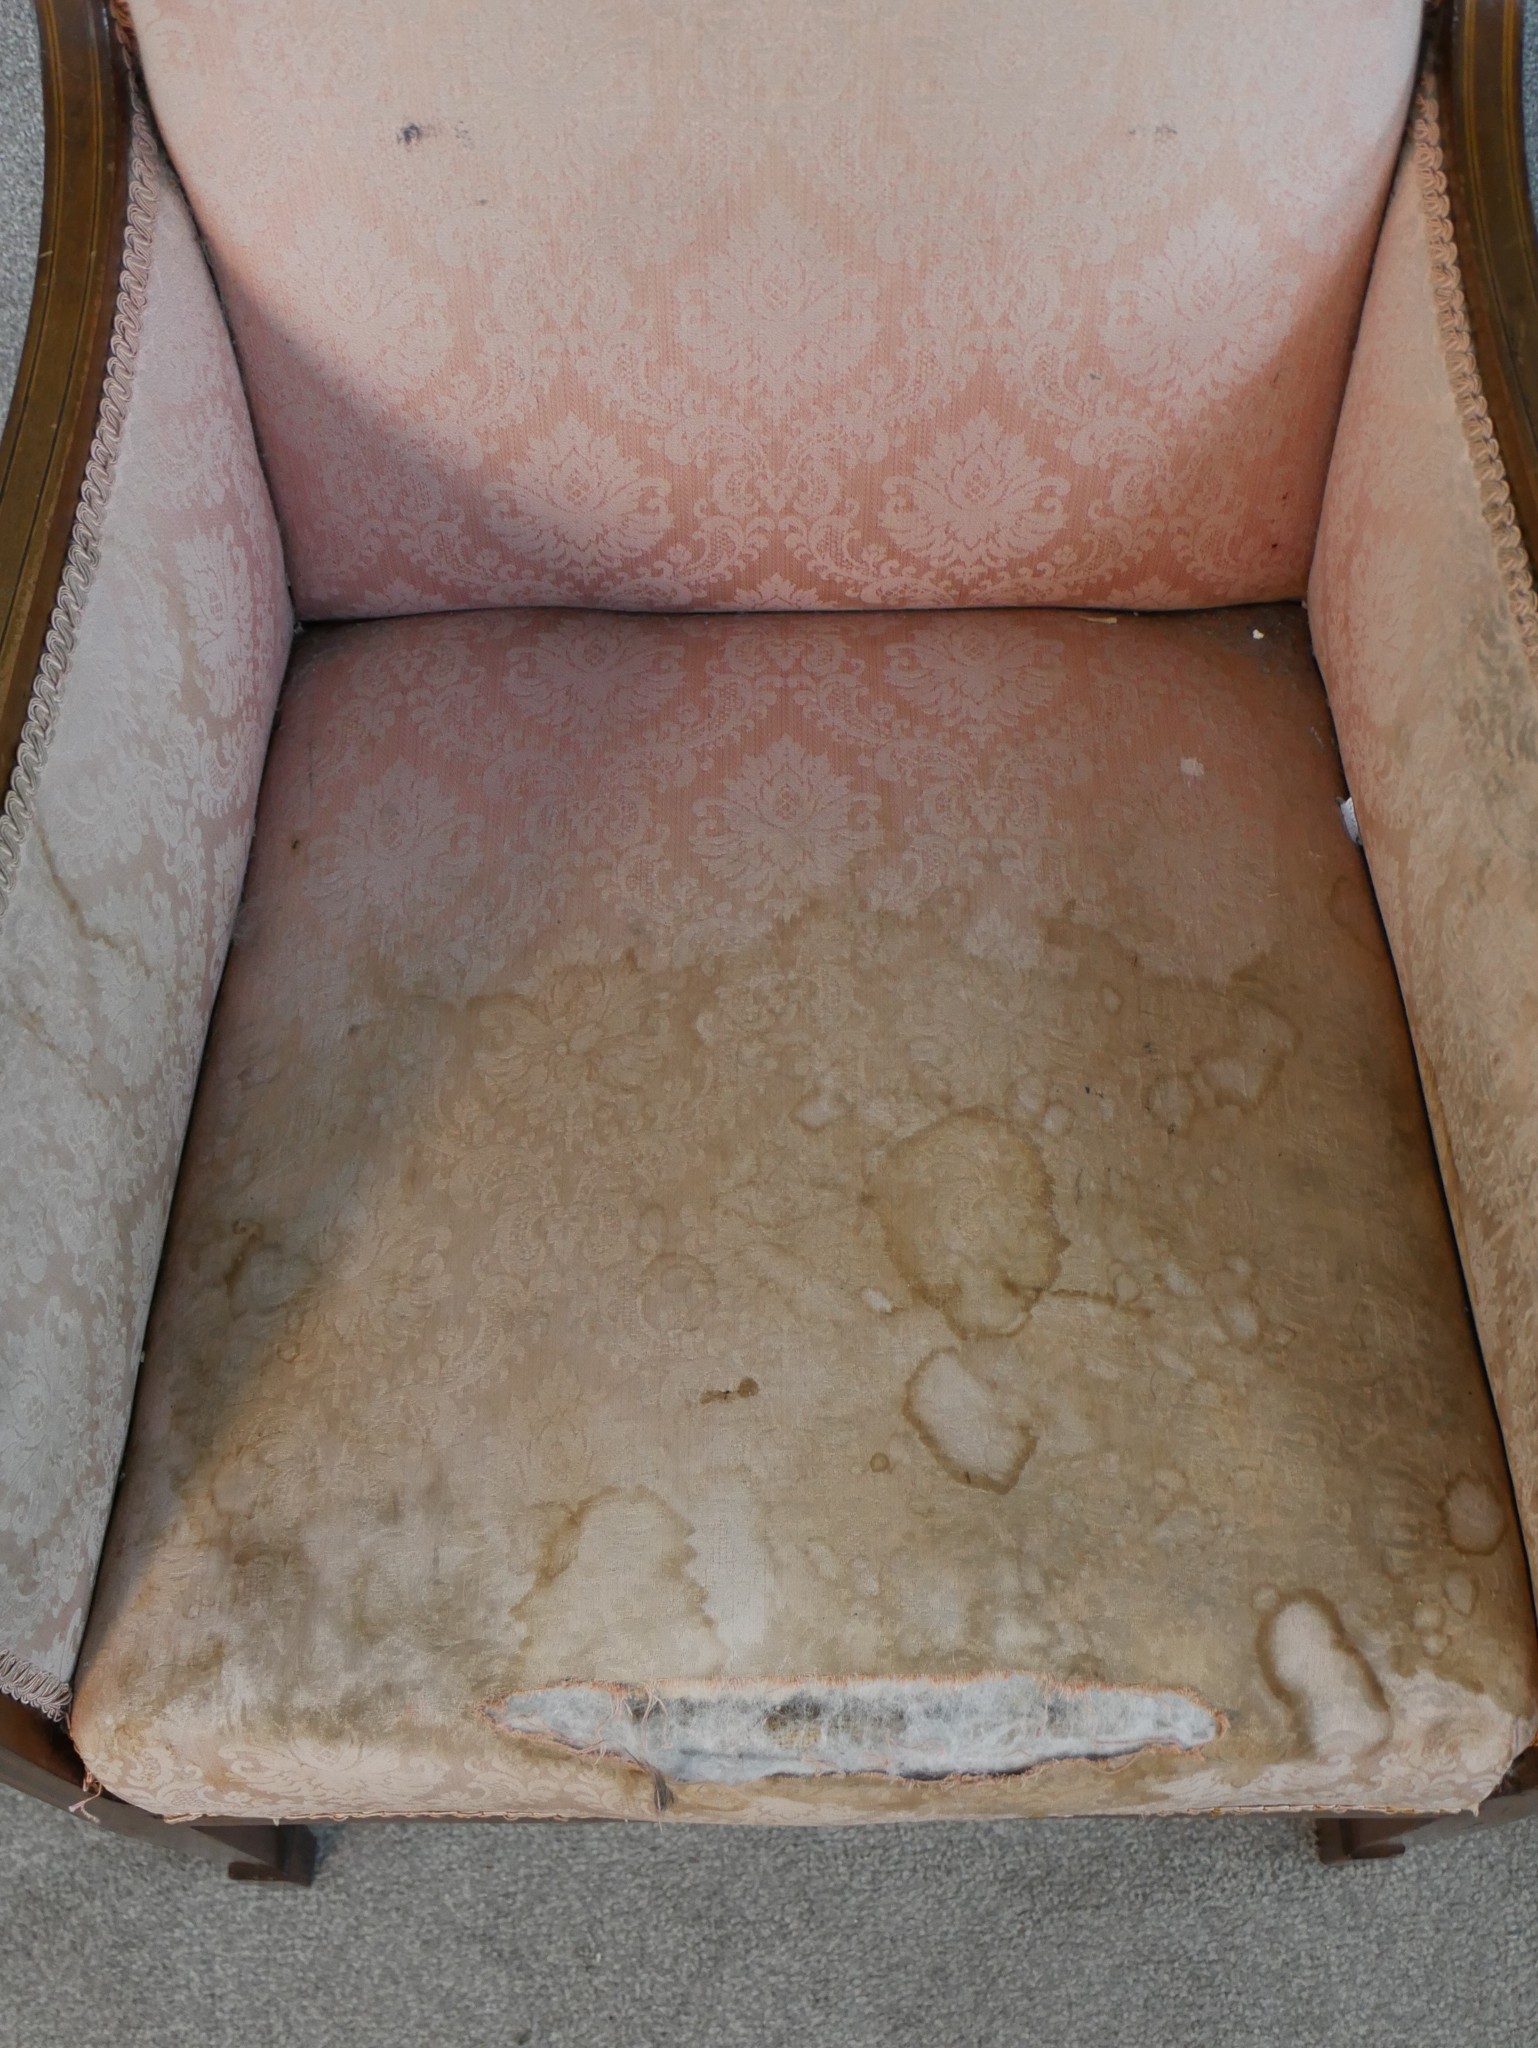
point(784, 826)
point(789, 303)
point(1205, 314)
point(778, 311)
point(738, 1154)
point(1426, 626)
point(121, 858)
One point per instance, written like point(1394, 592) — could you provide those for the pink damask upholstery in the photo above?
point(808, 1219)
point(122, 847)
point(1426, 627)
point(788, 303)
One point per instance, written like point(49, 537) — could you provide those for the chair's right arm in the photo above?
point(1425, 623)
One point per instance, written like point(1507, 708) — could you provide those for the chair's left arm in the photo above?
point(144, 631)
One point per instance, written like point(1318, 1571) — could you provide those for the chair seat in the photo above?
point(806, 1219)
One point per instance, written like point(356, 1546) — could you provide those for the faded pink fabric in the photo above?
point(122, 847)
point(788, 303)
point(1426, 627)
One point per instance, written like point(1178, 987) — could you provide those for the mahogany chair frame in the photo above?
point(87, 96)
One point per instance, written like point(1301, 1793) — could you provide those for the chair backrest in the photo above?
point(772, 303)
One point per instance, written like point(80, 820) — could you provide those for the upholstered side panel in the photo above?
point(123, 844)
point(1427, 632)
point(789, 303)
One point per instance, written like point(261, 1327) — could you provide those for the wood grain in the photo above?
point(58, 386)
point(1479, 67)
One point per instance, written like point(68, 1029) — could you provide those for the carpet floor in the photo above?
point(21, 179)
point(1051, 1934)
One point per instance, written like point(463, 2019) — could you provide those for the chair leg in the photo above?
point(292, 1861)
point(1379, 1837)
point(1367, 1838)
point(248, 1852)
point(38, 1758)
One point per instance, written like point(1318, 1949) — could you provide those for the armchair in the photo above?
point(783, 1173)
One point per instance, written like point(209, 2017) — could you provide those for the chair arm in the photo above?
point(58, 384)
point(1425, 624)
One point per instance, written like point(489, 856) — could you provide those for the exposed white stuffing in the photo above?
point(727, 1733)
point(1348, 819)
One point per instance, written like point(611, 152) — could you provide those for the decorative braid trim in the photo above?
point(122, 21)
point(34, 1688)
point(85, 539)
point(1463, 374)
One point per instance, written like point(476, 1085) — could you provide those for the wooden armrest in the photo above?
point(54, 405)
point(1479, 83)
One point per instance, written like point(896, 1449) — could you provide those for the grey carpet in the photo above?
point(1063, 1934)
point(1213, 1934)
point(21, 179)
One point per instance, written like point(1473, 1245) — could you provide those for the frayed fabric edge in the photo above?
point(34, 1688)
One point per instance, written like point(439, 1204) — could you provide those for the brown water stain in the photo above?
point(966, 1209)
point(963, 1419)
